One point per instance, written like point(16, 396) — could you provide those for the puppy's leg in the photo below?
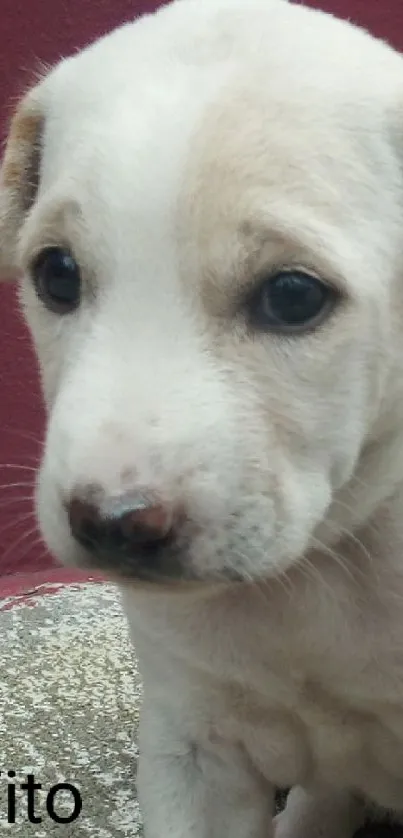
point(186, 791)
point(321, 814)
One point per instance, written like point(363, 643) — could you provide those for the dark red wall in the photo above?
point(33, 30)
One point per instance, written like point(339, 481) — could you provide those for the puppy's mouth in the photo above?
point(165, 564)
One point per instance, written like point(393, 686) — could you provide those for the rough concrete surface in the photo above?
point(69, 697)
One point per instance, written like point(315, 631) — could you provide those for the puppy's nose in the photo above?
point(141, 526)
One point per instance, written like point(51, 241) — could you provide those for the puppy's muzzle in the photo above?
point(131, 537)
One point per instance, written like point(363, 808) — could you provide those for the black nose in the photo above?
point(135, 531)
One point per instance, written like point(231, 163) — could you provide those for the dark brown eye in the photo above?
point(290, 301)
point(57, 280)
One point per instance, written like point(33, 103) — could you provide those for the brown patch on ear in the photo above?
point(20, 168)
point(19, 179)
point(24, 129)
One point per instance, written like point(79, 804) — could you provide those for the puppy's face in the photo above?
point(206, 208)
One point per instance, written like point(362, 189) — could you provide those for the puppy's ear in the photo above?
point(19, 178)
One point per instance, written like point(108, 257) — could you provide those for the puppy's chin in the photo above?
point(169, 574)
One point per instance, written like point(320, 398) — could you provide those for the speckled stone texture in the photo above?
point(69, 698)
point(69, 702)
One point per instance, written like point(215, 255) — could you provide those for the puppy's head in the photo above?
point(206, 211)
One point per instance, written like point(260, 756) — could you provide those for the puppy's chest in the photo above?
point(308, 693)
point(308, 733)
point(320, 698)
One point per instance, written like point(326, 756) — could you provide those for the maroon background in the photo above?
point(46, 30)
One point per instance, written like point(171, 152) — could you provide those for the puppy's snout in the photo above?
point(133, 529)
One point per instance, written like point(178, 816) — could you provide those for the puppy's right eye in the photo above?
point(57, 280)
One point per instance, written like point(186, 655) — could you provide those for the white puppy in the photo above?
point(206, 207)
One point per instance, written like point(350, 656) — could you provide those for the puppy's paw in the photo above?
point(329, 815)
point(287, 827)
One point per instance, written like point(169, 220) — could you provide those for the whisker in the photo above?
point(18, 467)
point(349, 535)
point(16, 521)
point(285, 583)
point(369, 526)
point(23, 434)
point(24, 484)
point(19, 560)
point(12, 548)
point(45, 553)
point(342, 563)
point(308, 569)
point(33, 545)
point(11, 501)
point(363, 549)
point(258, 584)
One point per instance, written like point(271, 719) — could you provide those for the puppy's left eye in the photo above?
point(290, 301)
point(57, 280)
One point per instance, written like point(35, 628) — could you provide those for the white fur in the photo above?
point(175, 152)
